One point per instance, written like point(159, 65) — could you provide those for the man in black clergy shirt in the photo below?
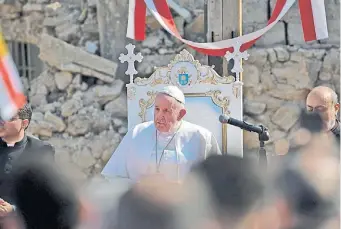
point(17, 148)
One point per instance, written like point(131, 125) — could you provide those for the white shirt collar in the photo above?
point(9, 145)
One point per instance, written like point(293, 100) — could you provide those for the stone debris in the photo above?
point(63, 80)
point(286, 116)
point(33, 7)
point(80, 105)
point(67, 57)
point(91, 47)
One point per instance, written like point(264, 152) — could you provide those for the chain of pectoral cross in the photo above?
point(158, 163)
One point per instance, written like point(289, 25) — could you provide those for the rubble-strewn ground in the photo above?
point(80, 103)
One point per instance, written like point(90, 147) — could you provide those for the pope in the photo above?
point(167, 146)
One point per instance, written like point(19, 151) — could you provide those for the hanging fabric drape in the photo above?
point(12, 95)
point(313, 17)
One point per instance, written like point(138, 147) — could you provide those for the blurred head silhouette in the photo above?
point(311, 136)
point(44, 198)
point(234, 188)
point(146, 206)
point(302, 202)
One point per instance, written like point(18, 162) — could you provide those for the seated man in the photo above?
point(323, 100)
point(168, 145)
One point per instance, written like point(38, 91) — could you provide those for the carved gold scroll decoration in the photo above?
point(162, 75)
point(146, 104)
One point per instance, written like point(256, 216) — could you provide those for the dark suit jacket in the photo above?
point(28, 150)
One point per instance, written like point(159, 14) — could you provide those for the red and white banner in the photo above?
point(313, 18)
point(314, 21)
point(137, 20)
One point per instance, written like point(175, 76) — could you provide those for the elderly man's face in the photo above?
point(11, 128)
point(167, 113)
point(325, 107)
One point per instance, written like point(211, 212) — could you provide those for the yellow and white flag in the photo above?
point(12, 95)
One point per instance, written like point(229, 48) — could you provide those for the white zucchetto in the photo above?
point(174, 92)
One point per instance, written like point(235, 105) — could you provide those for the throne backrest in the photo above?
point(208, 95)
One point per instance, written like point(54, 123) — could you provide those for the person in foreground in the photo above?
point(44, 197)
point(323, 100)
point(17, 148)
point(167, 146)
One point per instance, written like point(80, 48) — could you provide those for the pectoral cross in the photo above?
point(237, 56)
point(131, 57)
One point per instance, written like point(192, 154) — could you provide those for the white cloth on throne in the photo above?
point(136, 155)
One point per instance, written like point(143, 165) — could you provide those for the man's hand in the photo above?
point(5, 208)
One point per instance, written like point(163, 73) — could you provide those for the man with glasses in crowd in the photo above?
point(324, 101)
point(16, 147)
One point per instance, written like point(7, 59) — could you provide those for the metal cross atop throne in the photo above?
point(131, 57)
point(237, 57)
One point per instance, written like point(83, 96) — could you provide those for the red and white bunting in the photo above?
point(313, 18)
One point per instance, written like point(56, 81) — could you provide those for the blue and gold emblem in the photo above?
point(183, 77)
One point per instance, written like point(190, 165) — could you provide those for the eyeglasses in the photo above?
point(319, 109)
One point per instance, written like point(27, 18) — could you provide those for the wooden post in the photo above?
point(223, 21)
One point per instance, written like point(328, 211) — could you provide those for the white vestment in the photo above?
point(136, 155)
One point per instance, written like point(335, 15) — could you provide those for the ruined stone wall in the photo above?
point(275, 88)
point(80, 104)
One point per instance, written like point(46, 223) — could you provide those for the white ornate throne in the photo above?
point(208, 95)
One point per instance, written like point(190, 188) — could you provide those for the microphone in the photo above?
point(241, 124)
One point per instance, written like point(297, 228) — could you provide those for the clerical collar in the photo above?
point(20, 143)
point(336, 129)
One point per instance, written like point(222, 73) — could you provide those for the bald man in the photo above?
point(324, 101)
point(167, 146)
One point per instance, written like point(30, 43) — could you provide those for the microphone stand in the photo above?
point(263, 137)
